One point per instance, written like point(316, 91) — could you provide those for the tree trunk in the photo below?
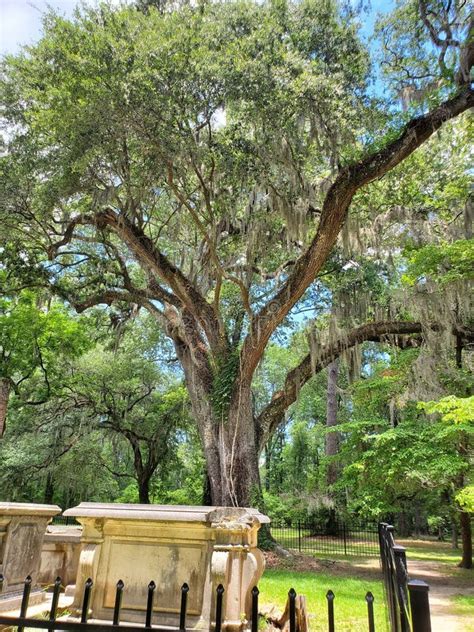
point(49, 489)
point(206, 492)
point(466, 538)
point(332, 438)
point(5, 388)
point(228, 437)
point(454, 534)
point(239, 480)
point(404, 526)
point(144, 490)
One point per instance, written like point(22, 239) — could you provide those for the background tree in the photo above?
point(126, 395)
point(118, 407)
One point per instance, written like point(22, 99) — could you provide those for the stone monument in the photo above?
point(170, 545)
point(22, 531)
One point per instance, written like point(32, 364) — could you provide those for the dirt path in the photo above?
point(446, 581)
point(443, 587)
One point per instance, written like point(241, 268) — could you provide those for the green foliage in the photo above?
point(455, 410)
point(35, 337)
point(444, 263)
point(465, 498)
point(113, 410)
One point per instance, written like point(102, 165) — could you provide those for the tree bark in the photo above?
point(5, 388)
point(144, 490)
point(332, 438)
point(228, 438)
point(466, 538)
point(49, 489)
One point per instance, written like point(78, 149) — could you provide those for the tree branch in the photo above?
point(157, 263)
point(272, 416)
point(334, 212)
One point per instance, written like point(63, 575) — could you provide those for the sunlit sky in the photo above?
point(20, 20)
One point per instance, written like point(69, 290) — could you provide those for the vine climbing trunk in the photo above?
point(228, 434)
point(5, 388)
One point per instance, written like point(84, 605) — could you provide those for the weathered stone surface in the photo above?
point(22, 531)
point(202, 546)
point(60, 555)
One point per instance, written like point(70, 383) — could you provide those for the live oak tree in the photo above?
point(200, 163)
point(126, 396)
point(116, 406)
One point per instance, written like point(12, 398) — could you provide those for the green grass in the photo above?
point(463, 604)
point(349, 605)
point(441, 552)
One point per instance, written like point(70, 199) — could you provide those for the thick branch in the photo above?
point(271, 417)
point(333, 215)
point(152, 259)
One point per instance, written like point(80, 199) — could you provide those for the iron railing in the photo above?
point(340, 537)
point(407, 601)
point(81, 623)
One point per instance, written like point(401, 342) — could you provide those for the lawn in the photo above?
point(463, 604)
point(350, 606)
point(441, 552)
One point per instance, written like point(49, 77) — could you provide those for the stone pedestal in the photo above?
point(202, 546)
point(22, 531)
point(60, 555)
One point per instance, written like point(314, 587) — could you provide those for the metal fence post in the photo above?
point(330, 597)
point(292, 598)
point(299, 536)
point(344, 536)
point(402, 579)
point(420, 605)
point(254, 622)
point(370, 611)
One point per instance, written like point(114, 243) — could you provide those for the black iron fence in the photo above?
point(81, 623)
point(337, 537)
point(407, 601)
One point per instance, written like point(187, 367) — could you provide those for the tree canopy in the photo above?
point(228, 167)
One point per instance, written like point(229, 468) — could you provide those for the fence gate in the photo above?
point(407, 601)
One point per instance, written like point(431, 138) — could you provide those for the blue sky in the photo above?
point(20, 20)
